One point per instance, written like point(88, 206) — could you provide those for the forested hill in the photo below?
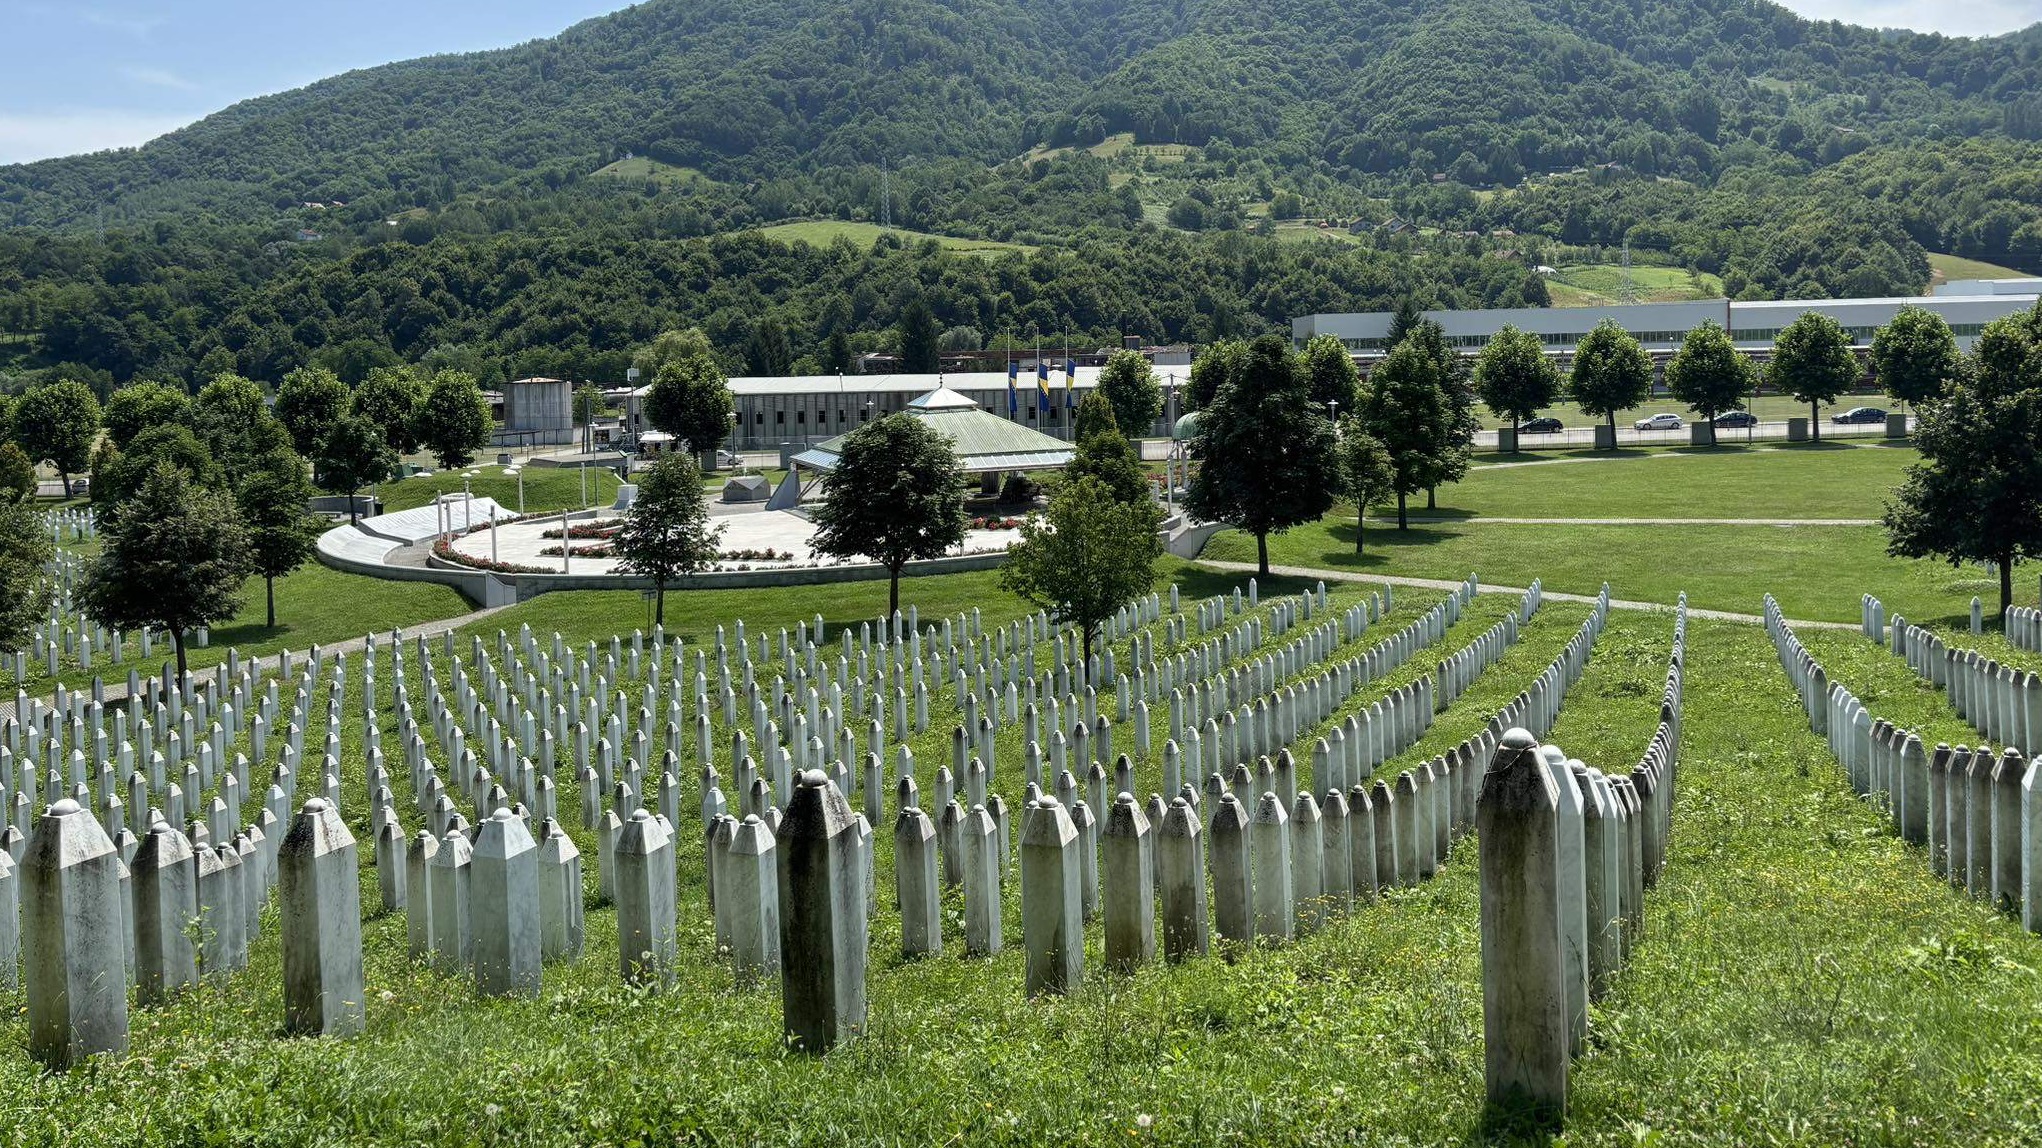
point(1174, 169)
point(1484, 90)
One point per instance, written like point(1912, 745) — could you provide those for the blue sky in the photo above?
point(81, 75)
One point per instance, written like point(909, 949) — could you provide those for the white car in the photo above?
point(1662, 421)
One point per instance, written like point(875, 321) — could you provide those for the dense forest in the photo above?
point(1176, 169)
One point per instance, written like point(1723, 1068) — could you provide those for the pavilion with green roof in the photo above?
point(986, 444)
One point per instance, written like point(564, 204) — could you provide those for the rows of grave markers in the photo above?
point(458, 881)
point(1567, 853)
point(1978, 814)
point(65, 638)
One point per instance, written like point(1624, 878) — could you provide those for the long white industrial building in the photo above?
point(1661, 326)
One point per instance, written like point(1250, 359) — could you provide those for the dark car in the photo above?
point(1737, 419)
point(1541, 426)
point(1860, 415)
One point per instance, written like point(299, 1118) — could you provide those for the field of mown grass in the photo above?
point(1803, 979)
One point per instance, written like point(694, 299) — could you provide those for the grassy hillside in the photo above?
point(1602, 284)
point(822, 232)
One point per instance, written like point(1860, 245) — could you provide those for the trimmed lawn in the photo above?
point(1792, 482)
point(1816, 571)
point(547, 488)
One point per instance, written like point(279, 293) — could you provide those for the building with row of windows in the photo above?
point(801, 411)
point(1660, 327)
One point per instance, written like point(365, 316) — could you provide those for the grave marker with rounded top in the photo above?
point(753, 886)
point(165, 906)
point(75, 974)
point(1130, 893)
point(1526, 1030)
point(822, 920)
point(504, 900)
point(320, 911)
point(1052, 902)
point(1182, 882)
point(646, 944)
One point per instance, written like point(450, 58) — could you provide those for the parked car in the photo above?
point(1546, 425)
point(1737, 419)
point(1660, 421)
point(1859, 415)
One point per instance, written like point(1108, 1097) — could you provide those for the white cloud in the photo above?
point(1966, 18)
point(25, 137)
point(158, 78)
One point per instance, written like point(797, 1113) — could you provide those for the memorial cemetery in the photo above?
point(1331, 852)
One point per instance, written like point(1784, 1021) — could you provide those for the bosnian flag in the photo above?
point(1013, 377)
point(1042, 382)
point(1070, 384)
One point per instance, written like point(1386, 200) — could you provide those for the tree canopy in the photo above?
point(667, 534)
point(1090, 554)
point(453, 418)
point(353, 455)
point(174, 557)
point(1514, 376)
point(1265, 450)
point(1612, 373)
point(1407, 413)
point(282, 532)
point(139, 406)
point(1335, 383)
point(309, 402)
point(1709, 374)
point(896, 496)
point(1976, 495)
point(689, 397)
point(58, 422)
point(1129, 383)
point(25, 547)
point(1367, 474)
point(1915, 355)
point(1812, 363)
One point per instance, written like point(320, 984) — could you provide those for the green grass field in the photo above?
point(1602, 284)
point(1803, 979)
point(1947, 267)
point(823, 231)
point(546, 488)
point(1785, 483)
point(645, 167)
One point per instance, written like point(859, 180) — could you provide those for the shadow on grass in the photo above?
point(1195, 582)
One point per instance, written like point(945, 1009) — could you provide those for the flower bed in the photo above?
point(996, 523)
point(767, 555)
point(585, 530)
point(446, 550)
point(599, 550)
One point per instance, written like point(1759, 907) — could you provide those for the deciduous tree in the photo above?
point(1976, 494)
point(1514, 377)
point(918, 351)
point(667, 534)
point(1611, 373)
point(1915, 355)
point(309, 402)
point(1334, 382)
point(25, 546)
point(453, 418)
point(118, 474)
point(690, 397)
point(58, 422)
point(1812, 362)
point(1366, 473)
point(1266, 453)
point(1709, 374)
point(389, 398)
point(17, 474)
point(354, 455)
point(1406, 412)
point(1103, 454)
point(1090, 554)
point(174, 557)
point(139, 406)
point(896, 496)
point(274, 501)
point(1129, 384)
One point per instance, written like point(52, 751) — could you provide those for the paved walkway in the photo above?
point(1449, 584)
point(1436, 520)
point(117, 690)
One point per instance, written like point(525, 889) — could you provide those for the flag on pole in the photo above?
point(1042, 381)
point(1013, 395)
point(1070, 384)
